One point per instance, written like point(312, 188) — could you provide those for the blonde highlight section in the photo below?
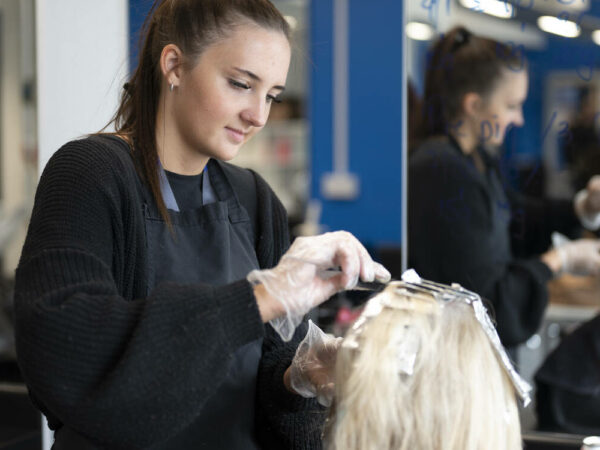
point(458, 398)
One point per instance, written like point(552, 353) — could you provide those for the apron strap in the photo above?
point(165, 189)
point(208, 193)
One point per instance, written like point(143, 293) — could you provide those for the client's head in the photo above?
point(419, 372)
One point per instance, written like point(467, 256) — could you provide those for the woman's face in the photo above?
point(226, 97)
point(502, 107)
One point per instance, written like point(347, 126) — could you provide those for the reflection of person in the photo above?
point(582, 142)
point(568, 383)
point(464, 224)
point(136, 325)
point(416, 372)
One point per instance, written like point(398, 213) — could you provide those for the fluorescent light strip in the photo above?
point(419, 31)
point(561, 27)
point(496, 8)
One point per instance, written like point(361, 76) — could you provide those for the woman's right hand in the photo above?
point(302, 280)
point(580, 257)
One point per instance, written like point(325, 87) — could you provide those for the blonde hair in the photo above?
point(458, 396)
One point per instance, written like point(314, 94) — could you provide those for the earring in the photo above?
point(171, 87)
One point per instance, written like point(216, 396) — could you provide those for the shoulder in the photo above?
point(99, 152)
point(436, 152)
point(247, 180)
point(93, 166)
point(237, 175)
point(438, 162)
point(98, 157)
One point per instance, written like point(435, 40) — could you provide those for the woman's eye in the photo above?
point(272, 98)
point(239, 84)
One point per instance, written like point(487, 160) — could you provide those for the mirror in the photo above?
point(556, 150)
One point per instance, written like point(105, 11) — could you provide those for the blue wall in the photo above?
point(375, 124)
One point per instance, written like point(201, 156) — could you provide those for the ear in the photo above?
point(171, 62)
point(472, 104)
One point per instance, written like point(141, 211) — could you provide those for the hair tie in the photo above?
point(461, 37)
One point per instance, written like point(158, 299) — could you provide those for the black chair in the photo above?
point(540, 440)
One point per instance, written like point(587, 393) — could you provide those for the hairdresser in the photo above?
point(465, 224)
point(157, 303)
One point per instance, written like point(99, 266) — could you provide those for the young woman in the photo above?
point(465, 225)
point(136, 324)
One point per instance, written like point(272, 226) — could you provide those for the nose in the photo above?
point(256, 113)
point(519, 120)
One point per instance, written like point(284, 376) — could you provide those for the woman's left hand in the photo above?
point(312, 372)
point(592, 200)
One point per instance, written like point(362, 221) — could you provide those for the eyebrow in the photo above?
point(257, 78)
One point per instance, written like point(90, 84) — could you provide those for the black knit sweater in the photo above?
point(120, 367)
point(470, 228)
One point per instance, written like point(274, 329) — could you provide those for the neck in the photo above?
point(466, 141)
point(174, 154)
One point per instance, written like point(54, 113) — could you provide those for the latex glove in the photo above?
point(300, 280)
point(587, 204)
point(580, 257)
point(312, 372)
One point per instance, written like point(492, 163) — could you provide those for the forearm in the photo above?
point(124, 361)
point(268, 307)
point(552, 259)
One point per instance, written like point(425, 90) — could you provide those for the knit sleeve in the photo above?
point(285, 420)
point(534, 220)
point(123, 372)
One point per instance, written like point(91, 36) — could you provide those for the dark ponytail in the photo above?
point(192, 25)
point(459, 63)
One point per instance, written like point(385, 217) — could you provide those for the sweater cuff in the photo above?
point(238, 304)
point(287, 401)
point(540, 270)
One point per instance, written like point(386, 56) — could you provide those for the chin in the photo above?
point(226, 154)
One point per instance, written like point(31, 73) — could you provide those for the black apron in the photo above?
point(213, 244)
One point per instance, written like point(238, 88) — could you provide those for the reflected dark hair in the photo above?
point(459, 63)
point(192, 25)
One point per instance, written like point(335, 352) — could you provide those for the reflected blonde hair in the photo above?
point(458, 397)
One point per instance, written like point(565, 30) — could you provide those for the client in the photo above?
point(423, 368)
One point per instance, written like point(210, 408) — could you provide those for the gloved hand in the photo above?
point(587, 204)
point(312, 372)
point(301, 281)
point(580, 257)
point(593, 195)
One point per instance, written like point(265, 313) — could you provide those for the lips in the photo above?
point(235, 135)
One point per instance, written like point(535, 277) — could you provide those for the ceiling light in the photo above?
point(496, 8)
point(596, 37)
point(558, 26)
point(419, 31)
